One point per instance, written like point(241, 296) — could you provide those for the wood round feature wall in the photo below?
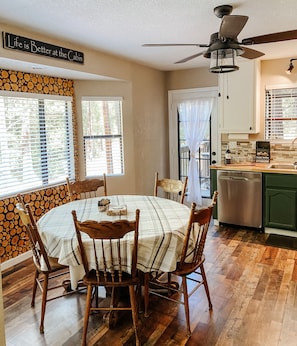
point(13, 238)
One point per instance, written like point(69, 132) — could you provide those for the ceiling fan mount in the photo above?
point(226, 38)
point(222, 10)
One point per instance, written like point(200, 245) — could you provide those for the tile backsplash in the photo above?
point(245, 151)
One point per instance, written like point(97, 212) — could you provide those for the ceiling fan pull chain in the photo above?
point(219, 93)
point(227, 86)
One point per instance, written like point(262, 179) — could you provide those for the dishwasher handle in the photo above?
point(232, 177)
point(238, 178)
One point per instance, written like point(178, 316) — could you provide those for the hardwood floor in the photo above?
point(253, 289)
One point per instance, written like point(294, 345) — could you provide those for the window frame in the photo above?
point(119, 136)
point(69, 137)
point(271, 120)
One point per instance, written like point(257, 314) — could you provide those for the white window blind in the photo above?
point(281, 113)
point(36, 146)
point(102, 133)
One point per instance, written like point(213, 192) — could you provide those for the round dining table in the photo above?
point(162, 226)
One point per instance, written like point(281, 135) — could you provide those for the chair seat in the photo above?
point(188, 268)
point(53, 261)
point(55, 264)
point(91, 279)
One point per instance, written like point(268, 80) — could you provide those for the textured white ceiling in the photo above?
point(121, 27)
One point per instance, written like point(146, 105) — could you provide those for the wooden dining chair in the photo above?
point(86, 188)
point(171, 188)
point(190, 266)
point(110, 267)
point(47, 269)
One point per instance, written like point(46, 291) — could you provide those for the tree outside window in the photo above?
point(102, 133)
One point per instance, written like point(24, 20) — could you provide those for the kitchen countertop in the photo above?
point(255, 167)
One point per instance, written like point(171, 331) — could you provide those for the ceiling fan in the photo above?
point(226, 38)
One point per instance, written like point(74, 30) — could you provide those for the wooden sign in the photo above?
point(28, 45)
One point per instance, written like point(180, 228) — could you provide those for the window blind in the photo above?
point(281, 113)
point(102, 133)
point(36, 146)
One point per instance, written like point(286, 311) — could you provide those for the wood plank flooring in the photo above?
point(253, 289)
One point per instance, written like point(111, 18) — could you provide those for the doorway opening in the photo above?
point(208, 152)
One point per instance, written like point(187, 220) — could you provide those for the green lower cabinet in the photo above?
point(281, 209)
point(213, 184)
point(280, 201)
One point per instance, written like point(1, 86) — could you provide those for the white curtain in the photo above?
point(194, 114)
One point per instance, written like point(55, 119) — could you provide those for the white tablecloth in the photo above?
point(161, 230)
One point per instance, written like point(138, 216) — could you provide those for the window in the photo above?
point(35, 141)
point(281, 113)
point(102, 133)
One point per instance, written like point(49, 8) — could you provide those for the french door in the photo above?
point(208, 152)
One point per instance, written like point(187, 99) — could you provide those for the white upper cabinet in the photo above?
point(239, 99)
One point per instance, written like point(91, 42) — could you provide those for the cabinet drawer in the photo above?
point(281, 180)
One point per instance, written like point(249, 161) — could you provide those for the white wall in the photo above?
point(145, 126)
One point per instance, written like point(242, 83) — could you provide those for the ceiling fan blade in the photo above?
point(251, 53)
point(276, 37)
point(189, 58)
point(231, 26)
point(174, 44)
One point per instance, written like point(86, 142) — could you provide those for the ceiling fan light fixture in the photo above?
point(223, 60)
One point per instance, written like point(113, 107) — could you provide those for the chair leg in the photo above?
point(134, 312)
point(34, 288)
point(146, 293)
point(43, 304)
point(87, 314)
point(96, 295)
point(169, 284)
point(138, 295)
point(205, 285)
point(186, 302)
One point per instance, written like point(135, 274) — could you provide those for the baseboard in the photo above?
point(216, 222)
point(281, 232)
point(16, 260)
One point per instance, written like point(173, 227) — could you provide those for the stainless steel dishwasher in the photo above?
point(240, 198)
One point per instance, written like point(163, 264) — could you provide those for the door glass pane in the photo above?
point(202, 158)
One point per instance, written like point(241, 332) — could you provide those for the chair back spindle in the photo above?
point(109, 247)
point(38, 250)
point(196, 232)
point(110, 264)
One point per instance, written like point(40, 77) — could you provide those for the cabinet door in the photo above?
point(280, 208)
point(239, 99)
